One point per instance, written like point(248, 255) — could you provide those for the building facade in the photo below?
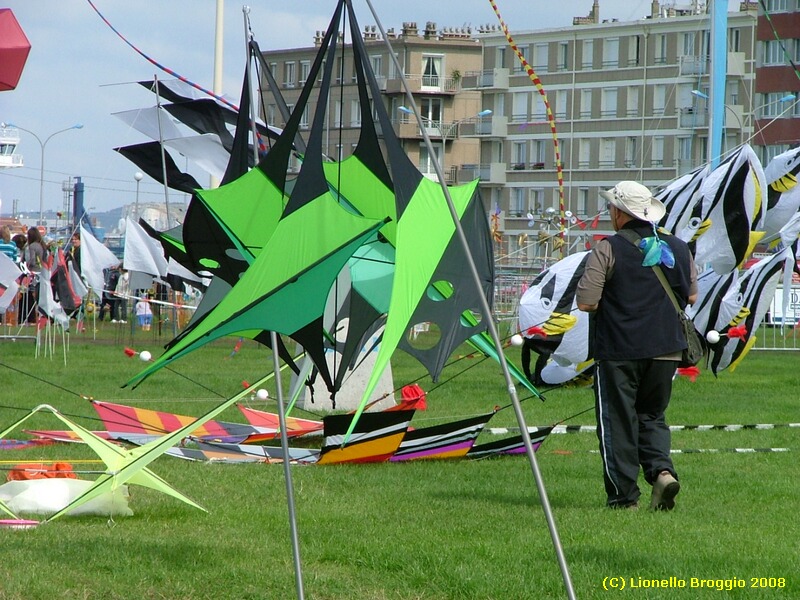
point(629, 102)
point(433, 61)
point(777, 99)
point(628, 99)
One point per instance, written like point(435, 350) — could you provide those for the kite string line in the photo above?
point(159, 65)
point(550, 118)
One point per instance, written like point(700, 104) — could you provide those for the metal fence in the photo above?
point(780, 329)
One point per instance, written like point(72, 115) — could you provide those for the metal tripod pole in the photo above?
point(512, 391)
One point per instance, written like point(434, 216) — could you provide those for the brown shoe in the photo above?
point(665, 488)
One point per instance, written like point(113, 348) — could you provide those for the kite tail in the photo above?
point(550, 118)
point(159, 65)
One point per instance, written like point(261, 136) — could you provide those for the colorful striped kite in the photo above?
point(550, 119)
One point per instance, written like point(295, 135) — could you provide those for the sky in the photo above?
point(80, 72)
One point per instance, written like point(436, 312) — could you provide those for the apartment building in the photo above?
point(777, 100)
point(433, 61)
point(629, 102)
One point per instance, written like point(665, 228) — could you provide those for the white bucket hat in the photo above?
point(636, 200)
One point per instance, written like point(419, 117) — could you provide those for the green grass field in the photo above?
point(425, 530)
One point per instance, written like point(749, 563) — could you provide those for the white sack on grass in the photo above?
point(48, 496)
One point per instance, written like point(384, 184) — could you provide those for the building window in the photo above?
point(587, 57)
point(426, 162)
point(431, 110)
point(500, 57)
point(289, 71)
point(563, 56)
point(272, 111)
point(304, 118)
point(432, 71)
point(540, 57)
point(633, 51)
point(732, 92)
point(770, 152)
point(609, 106)
point(519, 112)
point(660, 49)
point(523, 50)
point(734, 39)
point(631, 153)
point(377, 67)
point(608, 151)
point(517, 206)
point(339, 69)
point(337, 113)
point(539, 109)
point(773, 106)
point(611, 52)
point(657, 151)
point(536, 205)
point(586, 104)
point(688, 44)
point(393, 74)
point(584, 153)
point(772, 53)
point(659, 99)
point(305, 68)
point(519, 155)
point(705, 45)
point(538, 154)
point(632, 109)
point(685, 148)
point(355, 113)
point(560, 108)
point(774, 6)
point(582, 206)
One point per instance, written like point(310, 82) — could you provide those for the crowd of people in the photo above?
point(31, 252)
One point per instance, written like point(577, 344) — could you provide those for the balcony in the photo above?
point(492, 173)
point(691, 118)
point(693, 65)
point(481, 80)
point(485, 127)
point(424, 84)
point(407, 128)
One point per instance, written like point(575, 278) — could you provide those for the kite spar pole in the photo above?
point(512, 391)
point(276, 366)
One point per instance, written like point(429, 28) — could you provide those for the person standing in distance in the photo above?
point(637, 340)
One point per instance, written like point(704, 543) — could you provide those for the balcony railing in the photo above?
point(424, 84)
point(693, 65)
point(692, 118)
point(492, 173)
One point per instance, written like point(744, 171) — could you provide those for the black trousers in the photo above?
point(630, 399)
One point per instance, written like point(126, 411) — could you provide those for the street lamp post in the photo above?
point(138, 176)
point(445, 132)
point(43, 145)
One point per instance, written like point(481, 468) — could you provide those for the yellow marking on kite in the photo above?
point(784, 184)
point(750, 343)
point(744, 312)
point(559, 323)
point(755, 237)
point(704, 226)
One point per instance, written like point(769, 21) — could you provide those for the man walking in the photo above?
point(637, 341)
